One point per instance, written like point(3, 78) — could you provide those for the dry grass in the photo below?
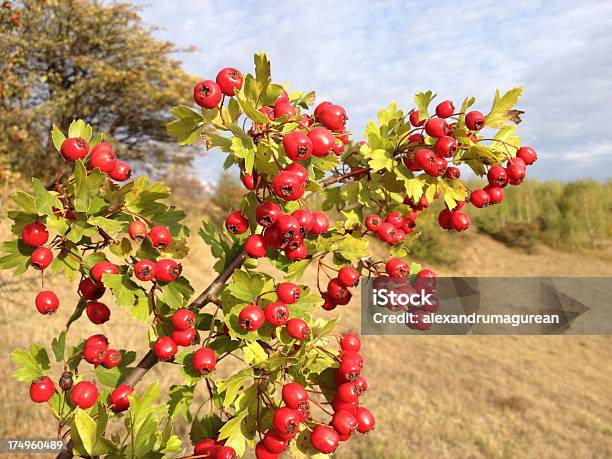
point(439, 396)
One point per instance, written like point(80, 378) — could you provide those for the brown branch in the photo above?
point(339, 178)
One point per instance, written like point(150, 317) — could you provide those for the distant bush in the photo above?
point(563, 215)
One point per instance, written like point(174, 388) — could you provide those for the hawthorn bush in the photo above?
point(301, 385)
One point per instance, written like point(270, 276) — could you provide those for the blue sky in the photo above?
point(365, 54)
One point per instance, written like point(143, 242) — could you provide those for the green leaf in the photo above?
point(500, 113)
point(89, 434)
point(25, 201)
point(254, 353)
point(17, 256)
point(58, 137)
point(45, 200)
point(232, 385)
point(297, 269)
point(87, 188)
point(188, 126)
point(380, 159)
point(107, 224)
point(58, 345)
point(422, 101)
point(180, 401)
point(176, 293)
point(123, 288)
point(249, 109)
point(30, 363)
point(248, 286)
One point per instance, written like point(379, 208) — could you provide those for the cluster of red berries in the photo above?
point(348, 415)
point(281, 231)
point(97, 352)
point(337, 291)
point(183, 334)
point(276, 313)
point(208, 93)
point(394, 228)
point(102, 157)
point(211, 448)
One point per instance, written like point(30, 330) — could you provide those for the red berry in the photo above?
point(167, 270)
point(182, 319)
point(298, 329)
point(74, 148)
point(204, 360)
point(305, 219)
point(268, 111)
point(251, 318)
point(267, 213)
point(516, 169)
point(322, 106)
point(284, 108)
point(95, 353)
point(324, 439)
point(296, 253)
point(339, 406)
point(414, 119)
point(207, 94)
point(225, 452)
point(344, 422)
point(137, 230)
point(320, 223)
point(273, 238)
point(186, 337)
point(527, 154)
point(84, 394)
point(276, 313)
point(255, 246)
point(424, 158)
point(297, 146)
point(229, 80)
point(349, 370)
point(97, 340)
point(298, 170)
point(348, 276)
point(41, 389)
point(497, 176)
point(350, 342)
point(396, 267)
point(121, 171)
point(480, 198)
point(160, 237)
point(337, 291)
point(112, 358)
point(145, 270)
point(496, 194)
point(262, 452)
point(288, 226)
point(98, 313)
point(41, 258)
point(288, 292)
point(274, 442)
point(346, 393)
point(236, 223)
point(287, 186)
point(34, 234)
point(446, 146)
point(294, 395)
point(416, 138)
point(395, 218)
point(165, 348)
point(387, 232)
point(333, 117)
point(436, 127)
point(361, 385)
point(205, 448)
point(365, 420)
point(322, 141)
point(248, 180)
point(460, 221)
point(445, 109)
point(101, 268)
point(47, 302)
point(103, 157)
point(119, 400)
point(286, 421)
point(372, 222)
point(452, 173)
point(425, 273)
point(475, 121)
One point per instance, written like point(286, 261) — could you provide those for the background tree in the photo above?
point(63, 58)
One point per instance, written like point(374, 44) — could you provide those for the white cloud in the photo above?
point(364, 54)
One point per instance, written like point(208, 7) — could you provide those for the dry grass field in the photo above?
point(455, 397)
